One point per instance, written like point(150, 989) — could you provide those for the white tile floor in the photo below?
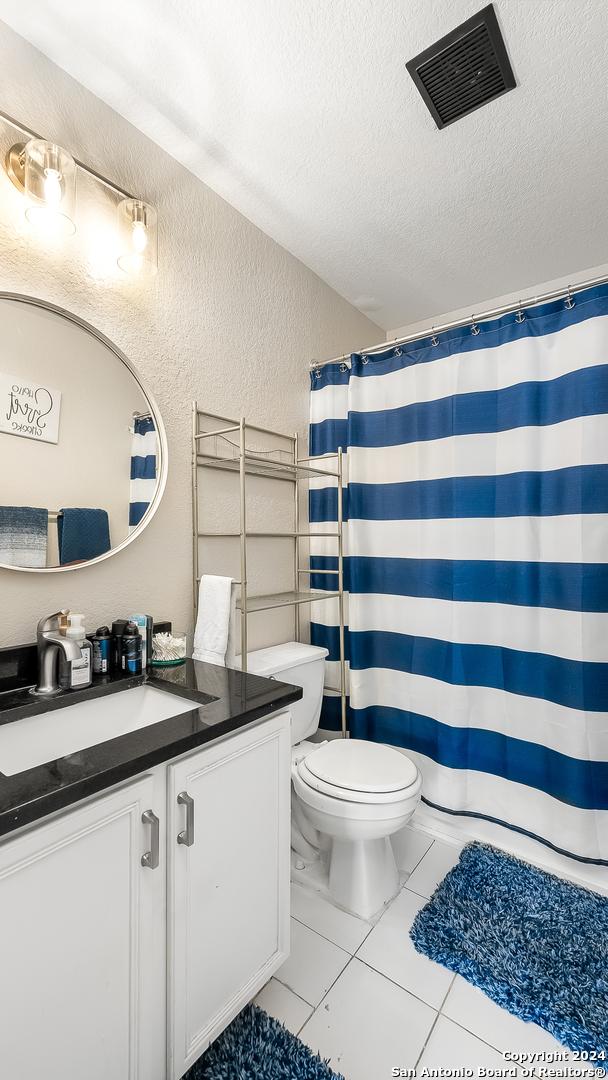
point(361, 996)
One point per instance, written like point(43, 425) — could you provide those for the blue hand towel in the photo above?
point(82, 533)
point(23, 535)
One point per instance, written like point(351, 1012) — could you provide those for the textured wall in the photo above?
point(231, 319)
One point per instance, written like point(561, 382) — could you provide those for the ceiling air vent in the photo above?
point(464, 70)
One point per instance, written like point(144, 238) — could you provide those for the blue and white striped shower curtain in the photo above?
point(476, 540)
point(144, 451)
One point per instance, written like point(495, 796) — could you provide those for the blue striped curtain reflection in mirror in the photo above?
point(476, 542)
point(144, 453)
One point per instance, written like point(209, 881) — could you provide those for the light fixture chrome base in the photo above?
point(14, 163)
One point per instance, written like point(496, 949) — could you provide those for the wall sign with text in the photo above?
point(29, 409)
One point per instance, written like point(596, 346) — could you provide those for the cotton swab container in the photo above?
point(168, 650)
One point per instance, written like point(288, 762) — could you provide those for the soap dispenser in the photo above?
point(75, 674)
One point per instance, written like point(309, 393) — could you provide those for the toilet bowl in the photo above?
point(350, 795)
point(358, 793)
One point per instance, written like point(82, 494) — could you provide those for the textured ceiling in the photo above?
point(303, 116)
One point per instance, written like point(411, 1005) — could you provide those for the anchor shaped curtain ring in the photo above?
point(434, 338)
point(398, 351)
point(343, 367)
point(569, 302)
point(364, 359)
point(521, 315)
point(474, 327)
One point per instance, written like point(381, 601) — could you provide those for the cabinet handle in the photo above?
point(150, 858)
point(187, 835)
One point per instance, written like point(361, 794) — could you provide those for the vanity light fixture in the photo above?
point(46, 174)
point(137, 237)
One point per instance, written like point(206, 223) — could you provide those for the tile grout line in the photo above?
point(445, 996)
point(426, 1041)
point(393, 983)
point(331, 940)
point(377, 971)
point(438, 1014)
point(398, 985)
point(421, 895)
point(475, 1035)
point(437, 884)
point(286, 987)
point(414, 868)
point(316, 1008)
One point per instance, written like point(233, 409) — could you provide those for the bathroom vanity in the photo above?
point(144, 878)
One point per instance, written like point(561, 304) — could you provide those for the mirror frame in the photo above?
point(163, 453)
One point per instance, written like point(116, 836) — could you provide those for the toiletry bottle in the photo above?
point(144, 624)
point(132, 650)
point(102, 648)
point(75, 674)
point(118, 629)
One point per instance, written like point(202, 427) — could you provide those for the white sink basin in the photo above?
point(55, 734)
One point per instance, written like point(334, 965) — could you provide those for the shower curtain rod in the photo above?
point(566, 291)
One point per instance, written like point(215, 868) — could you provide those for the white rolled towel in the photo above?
point(215, 632)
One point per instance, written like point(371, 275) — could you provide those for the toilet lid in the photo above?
point(357, 765)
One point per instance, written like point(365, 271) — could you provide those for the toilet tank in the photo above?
point(302, 665)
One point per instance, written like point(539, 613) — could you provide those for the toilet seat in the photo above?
point(357, 771)
point(356, 812)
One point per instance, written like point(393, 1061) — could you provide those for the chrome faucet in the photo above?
point(50, 643)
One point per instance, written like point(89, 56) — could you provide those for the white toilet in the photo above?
point(351, 795)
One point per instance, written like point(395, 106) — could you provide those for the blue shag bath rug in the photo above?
point(257, 1047)
point(536, 945)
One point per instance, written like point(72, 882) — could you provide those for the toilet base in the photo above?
point(363, 875)
point(354, 838)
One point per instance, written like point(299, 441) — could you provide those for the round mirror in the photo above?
point(83, 452)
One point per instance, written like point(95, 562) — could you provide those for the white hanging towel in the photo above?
point(214, 635)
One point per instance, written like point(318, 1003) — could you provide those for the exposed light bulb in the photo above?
point(52, 188)
point(139, 237)
point(49, 181)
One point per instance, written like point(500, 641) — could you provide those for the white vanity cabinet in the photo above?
point(228, 828)
point(134, 926)
point(81, 956)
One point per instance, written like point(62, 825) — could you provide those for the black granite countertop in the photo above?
point(223, 701)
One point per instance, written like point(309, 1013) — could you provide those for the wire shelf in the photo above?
point(268, 601)
point(258, 466)
point(245, 462)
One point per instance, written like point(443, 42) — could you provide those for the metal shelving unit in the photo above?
point(294, 470)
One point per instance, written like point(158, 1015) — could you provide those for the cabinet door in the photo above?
point(82, 942)
point(228, 843)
